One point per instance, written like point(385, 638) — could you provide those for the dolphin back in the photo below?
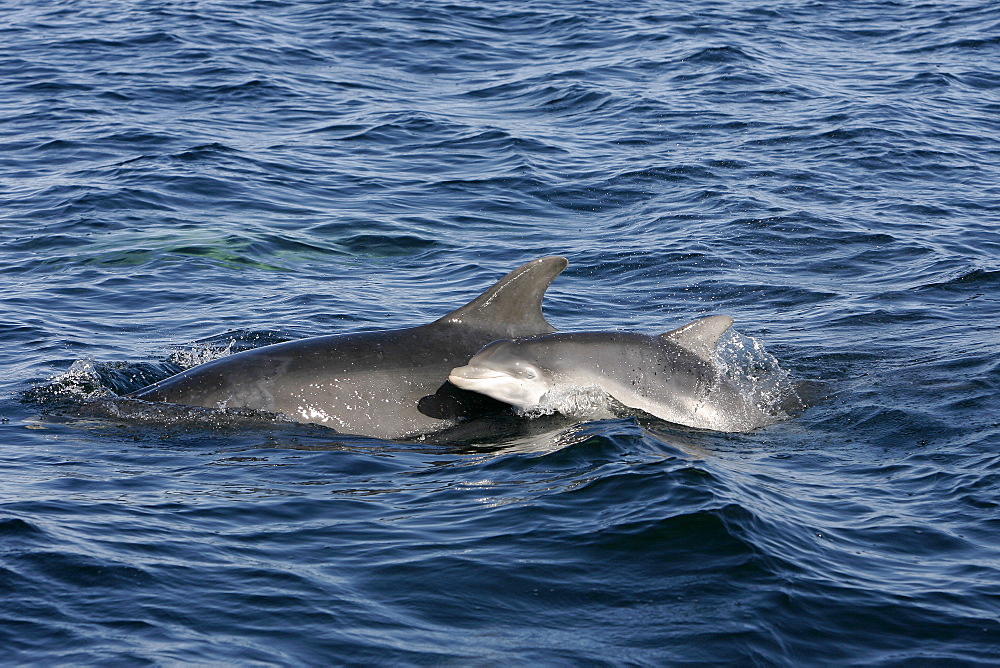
point(386, 384)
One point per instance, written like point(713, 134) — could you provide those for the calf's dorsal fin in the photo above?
point(701, 336)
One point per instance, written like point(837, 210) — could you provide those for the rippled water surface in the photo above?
point(184, 179)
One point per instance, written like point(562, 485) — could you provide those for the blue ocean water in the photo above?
point(182, 179)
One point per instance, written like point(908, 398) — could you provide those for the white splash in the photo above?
point(81, 381)
point(756, 373)
point(200, 353)
point(589, 402)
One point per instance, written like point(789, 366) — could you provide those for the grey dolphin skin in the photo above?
point(673, 376)
point(387, 384)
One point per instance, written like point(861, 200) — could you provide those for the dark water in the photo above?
point(177, 176)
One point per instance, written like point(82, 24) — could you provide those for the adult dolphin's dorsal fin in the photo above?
point(701, 336)
point(512, 307)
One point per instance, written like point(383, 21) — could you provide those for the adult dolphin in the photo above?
point(387, 384)
point(674, 376)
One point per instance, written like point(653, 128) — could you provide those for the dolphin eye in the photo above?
point(530, 374)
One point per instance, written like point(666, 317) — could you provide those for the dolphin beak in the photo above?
point(470, 372)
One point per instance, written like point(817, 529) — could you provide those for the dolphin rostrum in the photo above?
point(387, 384)
point(673, 376)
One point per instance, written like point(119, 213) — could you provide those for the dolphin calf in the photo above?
point(387, 384)
point(673, 376)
